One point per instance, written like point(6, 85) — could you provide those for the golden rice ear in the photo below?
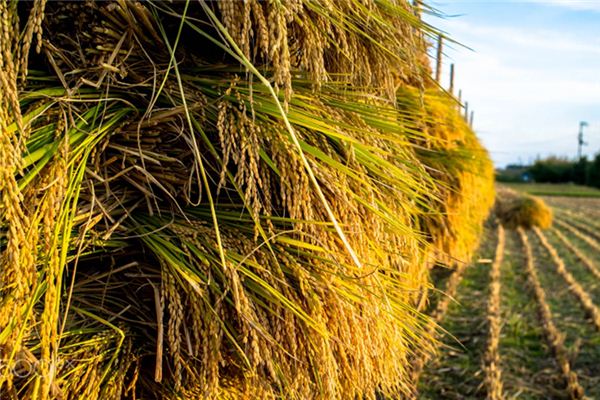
point(317, 37)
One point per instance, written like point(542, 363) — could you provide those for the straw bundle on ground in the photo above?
point(220, 199)
point(520, 210)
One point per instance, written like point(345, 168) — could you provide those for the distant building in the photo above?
point(514, 173)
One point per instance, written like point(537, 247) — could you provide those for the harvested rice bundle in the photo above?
point(219, 199)
point(519, 210)
point(461, 168)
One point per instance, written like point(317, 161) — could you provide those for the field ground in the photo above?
point(555, 189)
point(549, 341)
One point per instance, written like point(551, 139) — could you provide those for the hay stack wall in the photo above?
point(224, 199)
point(463, 172)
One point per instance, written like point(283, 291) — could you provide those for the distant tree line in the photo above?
point(555, 170)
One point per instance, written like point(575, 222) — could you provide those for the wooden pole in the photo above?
point(467, 111)
point(459, 96)
point(471, 119)
point(438, 60)
point(451, 79)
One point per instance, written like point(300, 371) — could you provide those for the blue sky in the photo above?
point(531, 74)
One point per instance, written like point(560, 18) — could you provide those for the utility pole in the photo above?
point(580, 141)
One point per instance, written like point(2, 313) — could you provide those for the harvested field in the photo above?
point(549, 331)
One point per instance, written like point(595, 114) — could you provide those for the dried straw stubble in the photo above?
point(554, 337)
point(492, 367)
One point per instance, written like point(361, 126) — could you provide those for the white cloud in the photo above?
point(529, 87)
point(538, 39)
point(577, 5)
point(580, 5)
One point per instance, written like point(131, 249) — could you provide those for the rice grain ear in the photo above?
point(52, 209)
point(18, 257)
